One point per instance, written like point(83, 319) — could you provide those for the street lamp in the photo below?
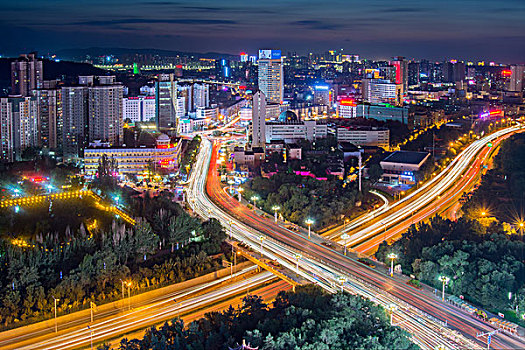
point(231, 232)
point(444, 280)
point(342, 280)
point(122, 283)
point(275, 209)
point(255, 199)
point(392, 308)
point(309, 222)
point(239, 191)
point(345, 236)
point(297, 257)
point(231, 182)
point(129, 294)
point(262, 238)
point(392, 257)
point(56, 325)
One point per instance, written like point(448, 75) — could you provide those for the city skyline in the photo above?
point(469, 30)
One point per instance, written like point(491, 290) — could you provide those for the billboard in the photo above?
point(270, 54)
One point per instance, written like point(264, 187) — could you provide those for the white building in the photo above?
point(135, 160)
point(271, 76)
point(382, 91)
point(516, 77)
point(346, 108)
point(201, 95)
point(258, 119)
point(212, 113)
point(293, 131)
point(139, 109)
point(364, 136)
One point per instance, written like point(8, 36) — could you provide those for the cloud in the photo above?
point(153, 21)
point(314, 24)
point(403, 10)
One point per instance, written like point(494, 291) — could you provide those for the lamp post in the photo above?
point(275, 209)
point(239, 191)
point(309, 222)
point(345, 236)
point(392, 308)
point(392, 257)
point(231, 182)
point(262, 238)
point(56, 325)
point(122, 283)
point(347, 220)
point(129, 294)
point(444, 280)
point(342, 280)
point(231, 232)
point(297, 257)
point(255, 199)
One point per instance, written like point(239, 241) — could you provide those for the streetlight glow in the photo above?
point(309, 222)
point(392, 257)
point(444, 280)
point(275, 209)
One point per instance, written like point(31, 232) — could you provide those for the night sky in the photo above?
point(461, 29)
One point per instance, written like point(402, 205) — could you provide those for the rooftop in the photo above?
point(406, 157)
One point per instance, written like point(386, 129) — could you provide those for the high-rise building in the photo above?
point(322, 95)
point(413, 73)
point(516, 78)
point(401, 72)
point(27, 74)
point(105, 121)
point(19, 126)
point(166, 103)
point(453, 71)
point(258, 119)
point(6, 131)
point(201, 95)
point(50, 114)
point(271, 76)
point(74, 116)
point(382, 91)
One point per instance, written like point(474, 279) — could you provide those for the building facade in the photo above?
point(364, 136)
point(135, 161)
point(139, 109)
point(258, 119)
point(27, 74)
point(271, 75)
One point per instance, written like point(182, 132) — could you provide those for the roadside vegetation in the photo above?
point(85, 262)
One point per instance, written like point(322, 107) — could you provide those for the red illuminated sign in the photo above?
point(495, 112)
point(506, 73)
point(347, 102)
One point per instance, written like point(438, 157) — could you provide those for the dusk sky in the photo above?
point(462, 29)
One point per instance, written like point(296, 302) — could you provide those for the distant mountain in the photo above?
point(80, 54)
point(52, 70)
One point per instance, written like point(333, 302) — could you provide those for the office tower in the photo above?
point(413, 73)
point(453, 71)
point(105, 121)
point(516, 77)
point(401, 71)
point(322, 95)
point(201, 95)
point(224, 68)
point(387, 73)
point(50, 111)
point(258, 119)
point(166, 101)
point(271, 77)
point(74, 118)
point(381, 91)
point(27, 74)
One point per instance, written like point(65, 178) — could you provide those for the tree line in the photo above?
point(306, 319)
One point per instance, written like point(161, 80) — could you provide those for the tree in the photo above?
point(375, 172)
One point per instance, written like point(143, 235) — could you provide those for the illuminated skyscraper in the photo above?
point(401, 72)
point(258, 119)
point(50, 111)
point(516, 77)
point(166, 102)
point(271, 77)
